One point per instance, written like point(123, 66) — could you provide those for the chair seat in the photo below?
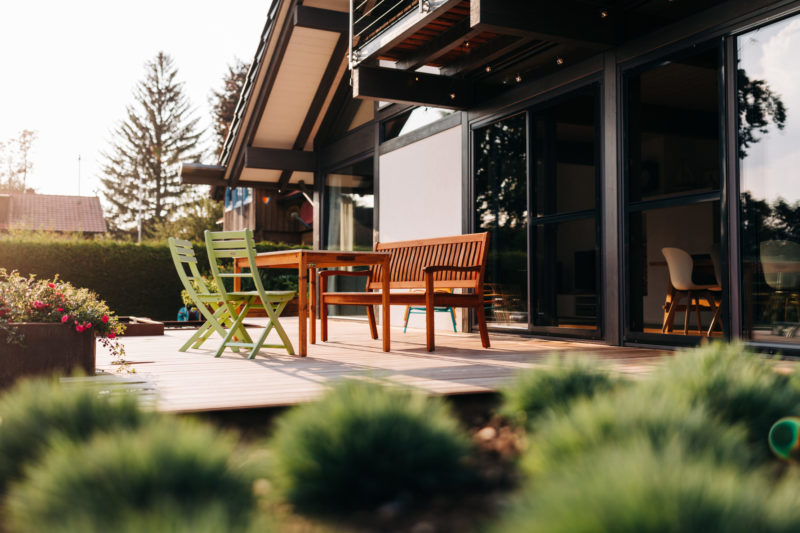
point(278, 296)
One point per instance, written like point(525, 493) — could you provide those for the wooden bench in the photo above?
point(457, 262)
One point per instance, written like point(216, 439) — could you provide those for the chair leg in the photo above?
point(687, 313)
point(373, 327)
point(323, 319)
point(453, 318)
point(406, 316)
point(481, 316)
point(715, 318)
point(273, 312)
point(697, 314)
point(673, 306)
point(234, 327)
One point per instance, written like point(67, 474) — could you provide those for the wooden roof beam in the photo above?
point(275, 159)
point(440, 45)
point(321, 19)
point(565, 21)
point(394, 85)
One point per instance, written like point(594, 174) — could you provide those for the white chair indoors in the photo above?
point(780, 261)
point(680, 265)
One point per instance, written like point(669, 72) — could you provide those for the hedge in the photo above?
point(133, 279)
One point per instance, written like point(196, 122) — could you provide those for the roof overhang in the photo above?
point(301, 58)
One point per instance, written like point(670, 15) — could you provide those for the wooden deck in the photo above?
point(195, 381)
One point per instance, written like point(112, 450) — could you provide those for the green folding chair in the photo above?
point(208, 302)
point(238, 244)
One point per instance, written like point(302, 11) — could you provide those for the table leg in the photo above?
point(302, 311)
point(385, 304)
point(313, 307)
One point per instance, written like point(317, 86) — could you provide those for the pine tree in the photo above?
point(223, 102)
point(140, 171)
point(15, 162)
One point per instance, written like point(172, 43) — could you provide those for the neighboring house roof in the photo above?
point(51, 212)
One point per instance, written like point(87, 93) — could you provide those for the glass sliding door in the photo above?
point(565, 232)
point(349, 204)
point(673, 192)
point(768, 89)
point(501, 208)
point(536, 192)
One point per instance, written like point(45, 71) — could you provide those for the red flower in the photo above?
point(60, 309)
point(79, 328)
point(64, 319)
point(111, 335)
point(87, 325)
point(39, 305)
point(104, 319)
point(51, 285)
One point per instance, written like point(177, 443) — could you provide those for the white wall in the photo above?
point(420, 197)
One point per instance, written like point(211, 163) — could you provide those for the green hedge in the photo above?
point(133, 279)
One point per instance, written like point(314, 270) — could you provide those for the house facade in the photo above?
point(591, 139)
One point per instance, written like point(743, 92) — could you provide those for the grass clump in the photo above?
point(539, 390)
point(37, 411)
point(363, 445)
point(636, 413)
point(639, 488)
point(734, 384)
point(170, 472)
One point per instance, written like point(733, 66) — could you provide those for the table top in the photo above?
point(317, 258)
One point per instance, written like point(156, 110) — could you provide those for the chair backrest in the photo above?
point(409, 258)
point(775, 254)
point(184, 258)
point(715, 262)
point(232, 245)
point(680, 266)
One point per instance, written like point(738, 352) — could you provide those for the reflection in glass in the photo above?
point(768, 87)
point(349, 204)
point(693, 228)
point(566, 274)
point(673, 128)
point(501, 209)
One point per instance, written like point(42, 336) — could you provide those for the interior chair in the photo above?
point(413, 310)
point(680, 265)
point(222, 245)
point(780, 261)
point(207, 301)
point(717, 301)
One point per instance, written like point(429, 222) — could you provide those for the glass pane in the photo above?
point(412, 120)
point(769, 136)
point(565, 279)
point(564, 156)
point(501, 200)
point(694, 230)
point(349, 205)
point(673, 128)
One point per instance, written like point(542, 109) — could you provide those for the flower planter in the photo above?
point(136, 326)
point(47, 349)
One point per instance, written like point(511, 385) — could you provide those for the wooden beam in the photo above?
point(190, 172)
point(393, 85)
point(275, 159)
point(484, 55)
point(253, 184)
point(565, 21)
point(321, 19)
point(444, 42)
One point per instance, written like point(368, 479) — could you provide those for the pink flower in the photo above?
point(39, 305)
point(51, 285)
point(79, 328)
point(60, 309)
point(104, 319)
point(87, 325)
point(64, 319)
point(111, 335)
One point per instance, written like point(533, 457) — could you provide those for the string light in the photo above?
point(467, 44)
point(603, 14)
point(518, 78)
point(452, 96)
point(488, 68)
point(559, 61)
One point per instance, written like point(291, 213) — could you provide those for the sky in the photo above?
point(69, 69)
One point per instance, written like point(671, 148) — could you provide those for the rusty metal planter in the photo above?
point(46, 349)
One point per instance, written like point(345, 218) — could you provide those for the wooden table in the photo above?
point(307, 262)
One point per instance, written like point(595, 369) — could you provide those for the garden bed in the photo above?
point(140, 327)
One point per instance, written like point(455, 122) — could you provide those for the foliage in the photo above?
point(553, 388)
point(15, 162)
point(173, 464)
point(641, 488)
point(33, 300)
point(362, 445)
point(223, 102)
point(757, 106)
point(134, 279)
point(734, 384)
point(35, 412)
point(140, 172)
point(192, 221)
point(634, 413)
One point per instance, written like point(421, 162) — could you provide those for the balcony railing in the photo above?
point(368, 18)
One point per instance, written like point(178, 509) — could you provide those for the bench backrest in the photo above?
point(410, 257)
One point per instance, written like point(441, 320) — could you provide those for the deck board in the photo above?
point(196, 381)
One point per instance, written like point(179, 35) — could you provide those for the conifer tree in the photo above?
point(140, 169)
point(223, 102)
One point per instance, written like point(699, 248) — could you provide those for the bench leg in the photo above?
point(323, 320)
point(429, 324)
point(481, 316)
point(373, 327)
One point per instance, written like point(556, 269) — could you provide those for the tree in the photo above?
point(757, 106)
point(15, 161)
point(195, 219)
point(140, 171)
point(223, 102)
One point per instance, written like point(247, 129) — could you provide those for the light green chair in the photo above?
point(208, 302)
point(240, 244)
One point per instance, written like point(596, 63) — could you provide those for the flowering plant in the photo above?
point(32, 300)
